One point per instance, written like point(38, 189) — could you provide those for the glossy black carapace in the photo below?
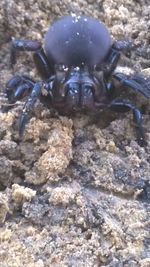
point(77, 67)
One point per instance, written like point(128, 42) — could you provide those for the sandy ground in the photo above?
point(74, 193)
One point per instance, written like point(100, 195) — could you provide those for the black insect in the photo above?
point(77, 69)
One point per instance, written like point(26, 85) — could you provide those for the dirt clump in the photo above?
point(74, 192)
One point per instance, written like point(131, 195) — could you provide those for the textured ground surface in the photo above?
point(74, 193)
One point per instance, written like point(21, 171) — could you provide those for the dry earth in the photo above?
point(74, 193)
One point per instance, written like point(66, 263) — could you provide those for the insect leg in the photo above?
point(111, 62)
point(31, 100)
point(39, 56)
point(125, 105)
point(137, 82)
point(17, 86)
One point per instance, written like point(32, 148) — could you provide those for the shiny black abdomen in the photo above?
point(77, 40)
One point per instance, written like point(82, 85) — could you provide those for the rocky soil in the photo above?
point(74, 192)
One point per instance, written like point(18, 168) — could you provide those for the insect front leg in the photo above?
point(16, 88)
point(29, 105)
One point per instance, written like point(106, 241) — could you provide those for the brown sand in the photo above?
point(74, 193)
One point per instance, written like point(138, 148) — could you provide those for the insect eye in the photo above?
point(87, 87)
point(97, 68)
point(61, 68)
point(73, 87)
